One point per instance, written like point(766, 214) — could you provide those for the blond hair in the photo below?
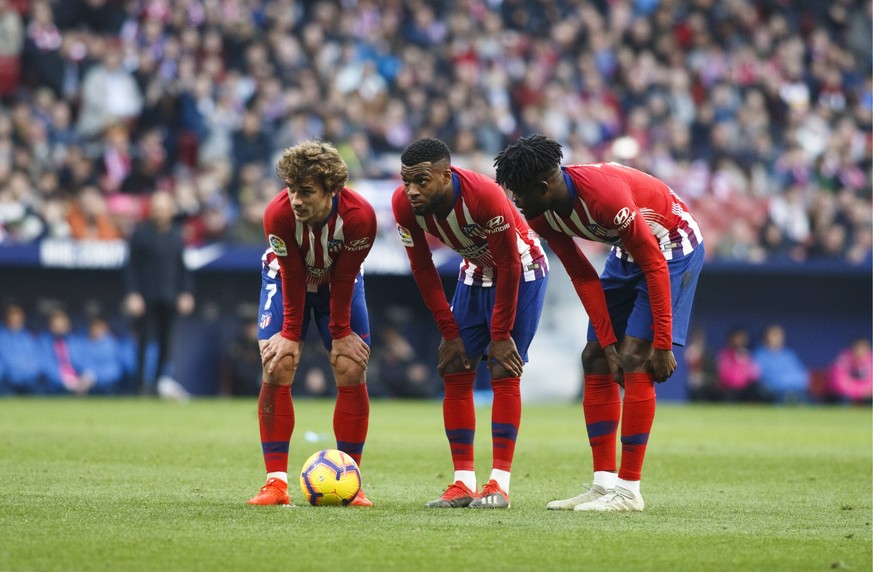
point(313, 161)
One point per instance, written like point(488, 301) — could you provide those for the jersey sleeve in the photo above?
point(617, 209)
point(280, 237)
point(424, 271)
point(584, 277)
point(495, 213)
point(358, 236)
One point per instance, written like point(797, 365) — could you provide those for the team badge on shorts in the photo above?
point(278, 245)
point(265, 320)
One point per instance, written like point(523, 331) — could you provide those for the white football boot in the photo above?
point(618, 500)
point(591, 493)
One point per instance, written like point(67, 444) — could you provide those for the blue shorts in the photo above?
point(473, 306)
point(627, 296)
point(271, 310)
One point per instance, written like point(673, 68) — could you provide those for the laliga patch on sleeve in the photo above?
point(405, 236)
point(277, 245)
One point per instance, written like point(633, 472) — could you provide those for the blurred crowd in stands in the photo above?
point(757, 112)
point(772, 372)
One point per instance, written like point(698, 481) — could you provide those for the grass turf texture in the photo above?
point(149, 485)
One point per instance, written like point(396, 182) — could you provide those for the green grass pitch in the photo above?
point(150, 485)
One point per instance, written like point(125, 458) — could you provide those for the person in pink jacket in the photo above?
point(851, 375)
point(738, 372)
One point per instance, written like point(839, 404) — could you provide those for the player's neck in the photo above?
point(559, 194)
point(446, 202)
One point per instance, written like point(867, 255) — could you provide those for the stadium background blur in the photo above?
point(756, 112)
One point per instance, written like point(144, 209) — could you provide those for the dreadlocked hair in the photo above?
point(528, 160)
point(425, 150)
point(313, 161)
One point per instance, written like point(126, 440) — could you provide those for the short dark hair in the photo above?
point(424, 150)
point(526, 161)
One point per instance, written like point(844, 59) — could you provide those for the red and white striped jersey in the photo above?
point(643, 220)
point(487, 231)
point(607, 199)
point(309, 256)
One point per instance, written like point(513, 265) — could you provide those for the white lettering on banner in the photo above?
point(83, 254)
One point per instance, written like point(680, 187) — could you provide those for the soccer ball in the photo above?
point(330, 478)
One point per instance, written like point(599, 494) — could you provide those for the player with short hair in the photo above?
point(495, 308)
point(319, 232)
point(649, 281)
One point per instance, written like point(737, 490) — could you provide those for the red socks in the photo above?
point(505, 419)
point(637, 418)
point(602, 407)
point(459, 418)
point(276, 421)
point(351, 418)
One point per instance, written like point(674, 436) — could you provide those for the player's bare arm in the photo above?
point(452, 354)
point(505, 354)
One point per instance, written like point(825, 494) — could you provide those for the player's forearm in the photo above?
point(430, 286)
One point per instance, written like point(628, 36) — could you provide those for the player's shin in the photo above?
point(637, 418)
point(459, 417)
point(276, 422)
point(505, 420)
point(351, 419)
point(602, 407)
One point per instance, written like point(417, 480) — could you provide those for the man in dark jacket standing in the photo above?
point(159, 286)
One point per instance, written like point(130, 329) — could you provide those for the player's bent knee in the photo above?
point(348, 372)
point(636, 356)
point(499, 372)
point(593, 359)
point(283, 373)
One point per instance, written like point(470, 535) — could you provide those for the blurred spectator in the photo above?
point(782, 372)
point(851, 374)
point(20, 368)
point(11, 44)
point(241, 370)
point(400, 372)
point(109, 93)
point(738, 371)
point(98, 355)
point(701, 367)
point(159, 286)
point(62, 373)
point(89, 219)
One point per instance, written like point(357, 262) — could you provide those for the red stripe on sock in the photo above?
point(459, 418)
point(637, 418)
point(601, 404)
point(276, 422)
point(351, 419)
point(505, 420)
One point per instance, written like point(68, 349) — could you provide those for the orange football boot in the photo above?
point(274, 492)
point(458, 495)
point(361, 500)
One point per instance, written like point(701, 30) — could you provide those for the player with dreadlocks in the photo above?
point(649, 282)
point(495, 308)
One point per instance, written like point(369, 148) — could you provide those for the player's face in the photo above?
point(425, 186)
point(530, 201)
point(311, 202)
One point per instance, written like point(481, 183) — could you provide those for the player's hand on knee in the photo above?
point(663, 364)
point(277, 348)
point(449, 352)
point(352, 347)
point(505, 354)
point(613, 361)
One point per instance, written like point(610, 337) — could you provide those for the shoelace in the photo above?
point(454, 491)
point(490, 489)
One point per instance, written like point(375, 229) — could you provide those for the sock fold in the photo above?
point(601, 404)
